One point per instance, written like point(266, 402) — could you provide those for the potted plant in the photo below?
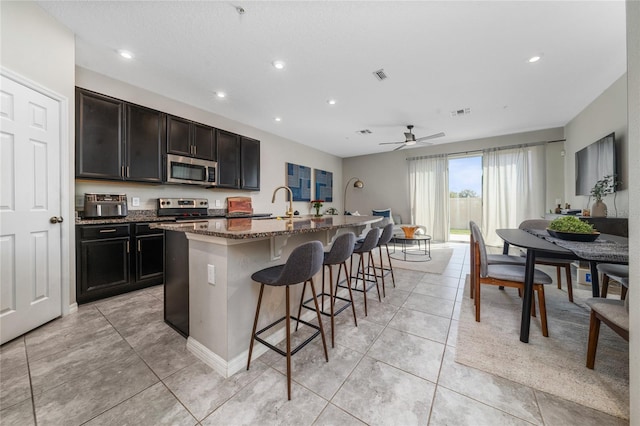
point(317, 204)
point(604, 186)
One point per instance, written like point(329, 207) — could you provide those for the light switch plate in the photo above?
point(211, 274)
point(135, 201)
point(218, 203)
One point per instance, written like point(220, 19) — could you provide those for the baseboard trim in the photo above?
point(239, 362)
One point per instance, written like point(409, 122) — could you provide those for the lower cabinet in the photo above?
point(115, 259)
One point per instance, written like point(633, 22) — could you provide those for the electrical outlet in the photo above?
point(211, 274)
point(135, 201)
point(218, 203)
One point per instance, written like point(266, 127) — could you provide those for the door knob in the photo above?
point(56, 219)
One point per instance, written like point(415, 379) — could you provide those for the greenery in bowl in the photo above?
point(571, 224)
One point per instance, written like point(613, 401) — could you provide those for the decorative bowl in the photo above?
point(409, 231)
point(573, 236)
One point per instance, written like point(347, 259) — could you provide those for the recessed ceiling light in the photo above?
point(279, 65)
point(125, 54)
point(278, 119)
point(535, 58)
point(221, 94)
point(331, 101)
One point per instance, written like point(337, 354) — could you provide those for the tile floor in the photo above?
point(115, 362)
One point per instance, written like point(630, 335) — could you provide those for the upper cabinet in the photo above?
point(99, 141)
point(249, 164)
point(238, 161)
point(116, 140)
point(190, 139)
point(228, 159)
point(144, 141)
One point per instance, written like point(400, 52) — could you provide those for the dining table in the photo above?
point(605, 249)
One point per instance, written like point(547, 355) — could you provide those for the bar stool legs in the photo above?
point(287, 318)
point(303, 263)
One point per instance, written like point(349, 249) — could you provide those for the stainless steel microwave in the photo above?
point(192, 171)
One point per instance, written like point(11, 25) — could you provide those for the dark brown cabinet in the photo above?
point(228, 159)
point(190, 139)
point(249, 164)
point(144, 141)
point(238, 161)
point(99, 129)
point(116, 140)
point(115, 259)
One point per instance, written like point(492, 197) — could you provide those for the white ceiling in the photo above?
point(439, 57)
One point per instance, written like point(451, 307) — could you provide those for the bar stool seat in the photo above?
point(303, 263)
point(341, 250)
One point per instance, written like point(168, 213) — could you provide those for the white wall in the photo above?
point(606, 114)
point(37, 47)
point(386, 176)
point(633, 137)
point(275, 151)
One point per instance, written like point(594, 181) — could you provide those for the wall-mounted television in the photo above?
point(594, 162)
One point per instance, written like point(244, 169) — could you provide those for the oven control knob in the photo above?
point(168, 202)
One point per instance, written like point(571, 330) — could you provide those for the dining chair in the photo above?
point(615, 271)
point(614, 313)
point(558, 263)
point(507, 276)
point(492, 259)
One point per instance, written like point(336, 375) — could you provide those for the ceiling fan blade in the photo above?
point(390, 143)
point(400, 147)
point(426, 138)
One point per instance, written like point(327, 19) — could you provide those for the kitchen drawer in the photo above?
point(88, 232)
point(144, 229)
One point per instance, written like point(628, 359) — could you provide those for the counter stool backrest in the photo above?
point(370, 241)
point(341, 249)
point(478, 238)
point(534, 224)
point(303, 263)
point(387, 234)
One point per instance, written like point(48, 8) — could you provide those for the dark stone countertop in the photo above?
point(247, 228)
point(137, 216)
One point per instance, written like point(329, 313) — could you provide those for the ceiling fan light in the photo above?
point(409, 143)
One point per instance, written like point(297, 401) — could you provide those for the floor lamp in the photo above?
point(357, 184)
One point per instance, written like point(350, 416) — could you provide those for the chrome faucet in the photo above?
point(273, 199)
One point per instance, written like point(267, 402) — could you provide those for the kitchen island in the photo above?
point(220, 256)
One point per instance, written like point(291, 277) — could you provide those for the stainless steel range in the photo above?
point(184, 208)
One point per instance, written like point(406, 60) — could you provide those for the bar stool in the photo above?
point(615, 271)
point(304, 262)
point(341, 250)
point(366, 247)
point(385, 238)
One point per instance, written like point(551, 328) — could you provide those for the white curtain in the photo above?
point(429, 192)
point(513, 188)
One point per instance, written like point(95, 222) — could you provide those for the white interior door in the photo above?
point(30, 245)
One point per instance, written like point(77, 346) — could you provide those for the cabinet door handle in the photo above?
point(104, 231)
point(139, 248)
point(122, 171)
point(127, 246)
point(195, 150)
point(127, 171)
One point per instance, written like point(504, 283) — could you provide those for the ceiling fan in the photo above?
point(410, 139)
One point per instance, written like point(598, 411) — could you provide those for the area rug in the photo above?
point(554, 364)
point(438, 263)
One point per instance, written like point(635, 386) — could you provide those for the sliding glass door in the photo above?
point(465, 195)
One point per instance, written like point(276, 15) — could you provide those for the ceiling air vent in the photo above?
point(461, 112)
point(380, 75)
point(364, 132)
